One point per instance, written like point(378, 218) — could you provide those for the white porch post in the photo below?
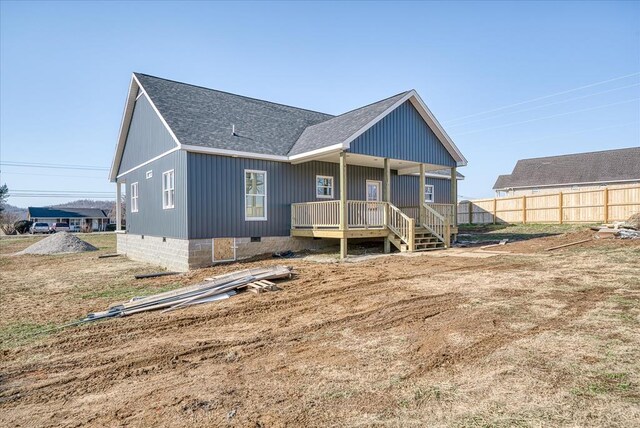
point(421, 197)
point(118, 207)
point(386, 197)
point(343, 204)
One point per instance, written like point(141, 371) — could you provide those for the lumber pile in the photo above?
point(213, 289)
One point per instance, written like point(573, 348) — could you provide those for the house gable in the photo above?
point(147, 136)
point(403, 134)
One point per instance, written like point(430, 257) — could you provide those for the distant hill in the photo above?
point(87, 203)
point(13, 210)
point(107, 206)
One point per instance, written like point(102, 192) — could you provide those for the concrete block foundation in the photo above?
point(185, 254)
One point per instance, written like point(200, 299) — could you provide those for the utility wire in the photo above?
point(53, 165)
point(54, 175)
point(547, 117)
point(543, 105)
point(548, 137)
point(544, 97)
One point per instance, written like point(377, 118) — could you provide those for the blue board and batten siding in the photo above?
point(147, 136)
point(216, 193)
point(151, 218)
point(403, 135)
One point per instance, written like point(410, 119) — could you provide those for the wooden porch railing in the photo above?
point(403, 226)
point(445, 210)
point(366, 214)
point(323, 214)
point(436, 223)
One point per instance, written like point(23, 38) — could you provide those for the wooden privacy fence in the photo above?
point(582, 206)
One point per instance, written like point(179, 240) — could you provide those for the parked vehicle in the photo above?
point(59, 227)
point(39, 227)
point(111, 227)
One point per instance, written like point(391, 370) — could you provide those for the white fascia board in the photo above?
point(631, 180)
point(427, 116)
point(232, 153)
point(347, 143)
point(132, 98)
point(437, 128)
point(302, 157)
point(148, 162)
point(164, 122)
point(124, 128)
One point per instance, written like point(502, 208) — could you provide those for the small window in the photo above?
point(168, 189)
point(149, 174)
point(324, 186)
point(256, 239)
point(428, 193)
point(134, 197)
point(255, 195)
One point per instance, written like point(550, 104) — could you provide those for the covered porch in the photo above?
point(424, 226)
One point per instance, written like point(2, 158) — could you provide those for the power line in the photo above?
point(54, 166)
point(544, 105)
point(547, 117)
point(544, 97)
point(635, 122)
point(54, 175)
point(60, 191)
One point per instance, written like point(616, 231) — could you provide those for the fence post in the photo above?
point(470, 212)
point(524, 210)
point(495, 210)
point(605, 202)
point(560, 202)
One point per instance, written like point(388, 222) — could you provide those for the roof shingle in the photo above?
point(591, 167)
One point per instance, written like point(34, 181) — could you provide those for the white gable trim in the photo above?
point(427, 116)
point(127, 116)
point(161, 155)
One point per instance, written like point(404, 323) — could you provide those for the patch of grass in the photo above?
point(605, 383)
point(128, 291)
point(514, 232)
point(22, 333)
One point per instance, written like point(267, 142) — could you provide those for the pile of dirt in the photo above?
point(634, 221)
point(59, 243)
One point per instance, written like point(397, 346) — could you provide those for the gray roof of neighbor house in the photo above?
point(592, 167)
point(204, 117)
point(53, 212)
point(340, 128)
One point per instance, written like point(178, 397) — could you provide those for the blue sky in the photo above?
point(65, 70)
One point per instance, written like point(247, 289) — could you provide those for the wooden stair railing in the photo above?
point(401, 225)
point(436, 223)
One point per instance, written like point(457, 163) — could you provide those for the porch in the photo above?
point(426, 226)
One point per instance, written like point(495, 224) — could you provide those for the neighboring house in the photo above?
point(578, 171)
point(212, 176)
point(79, 219)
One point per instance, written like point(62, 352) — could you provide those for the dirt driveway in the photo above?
point(466, 338)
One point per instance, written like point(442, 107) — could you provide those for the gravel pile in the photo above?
point(58, 243)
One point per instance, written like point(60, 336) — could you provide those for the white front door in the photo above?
point(375, 212)
point(374, 191)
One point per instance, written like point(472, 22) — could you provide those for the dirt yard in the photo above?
point(507, 336)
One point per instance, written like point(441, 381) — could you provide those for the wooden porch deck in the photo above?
point(409, 229)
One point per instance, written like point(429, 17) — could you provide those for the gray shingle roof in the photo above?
point(604, 166)
point(52, 212)
point(204, 117)
point(340, 128)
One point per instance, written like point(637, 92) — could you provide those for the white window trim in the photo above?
point(134, 197)
point(433, 193)
point(332, 187)
point(149, 174)
point(244, 190)
point(168, 206)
